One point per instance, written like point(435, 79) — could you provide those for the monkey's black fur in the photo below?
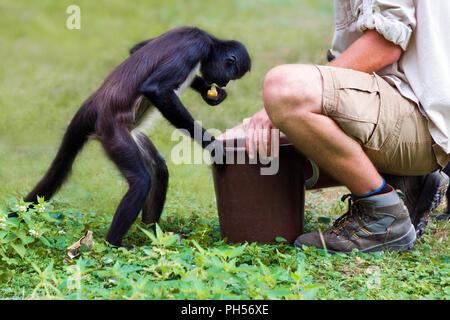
point(155, 69)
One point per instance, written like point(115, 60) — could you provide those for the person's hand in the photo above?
point(259, 136)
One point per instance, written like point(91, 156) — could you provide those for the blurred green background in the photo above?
point(47, 71)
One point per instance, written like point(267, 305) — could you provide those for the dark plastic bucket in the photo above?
point(259, 208)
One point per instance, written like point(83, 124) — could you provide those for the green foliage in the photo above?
point(20, 233)
point(203, 266)
point(166, 268)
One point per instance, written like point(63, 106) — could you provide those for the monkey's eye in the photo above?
point(232, 59)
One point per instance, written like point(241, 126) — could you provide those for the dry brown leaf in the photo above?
point(360, 260)
point(75, 249)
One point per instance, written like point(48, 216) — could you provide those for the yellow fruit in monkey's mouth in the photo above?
point(212, 92)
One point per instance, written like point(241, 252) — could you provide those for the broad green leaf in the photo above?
point(45, 241)
point(149, 234)
point(159, 232)
point(19, 248)
point(5, 276)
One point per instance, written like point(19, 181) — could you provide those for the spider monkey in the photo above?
point(117, 115)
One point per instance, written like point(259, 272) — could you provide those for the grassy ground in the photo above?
point(46, 73)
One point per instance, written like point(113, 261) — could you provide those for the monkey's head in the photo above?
point(228, 60)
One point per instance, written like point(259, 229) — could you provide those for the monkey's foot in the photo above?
point(127, 247)
point(13, 215)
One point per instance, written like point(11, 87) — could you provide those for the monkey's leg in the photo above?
point(161, 93)
point(156, 165)
point(125, 153)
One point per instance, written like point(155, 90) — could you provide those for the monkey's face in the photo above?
point(229, 60)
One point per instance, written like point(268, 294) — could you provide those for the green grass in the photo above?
point(46, 73)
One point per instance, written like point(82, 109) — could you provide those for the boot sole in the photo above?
point(401, 244)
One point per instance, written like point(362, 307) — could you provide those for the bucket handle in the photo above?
point(311, 182)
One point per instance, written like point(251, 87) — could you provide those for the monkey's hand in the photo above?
point(218, 154)
point(213, 101)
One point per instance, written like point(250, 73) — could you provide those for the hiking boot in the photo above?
point(446, 215)
point(374, 223)
point(423, 194)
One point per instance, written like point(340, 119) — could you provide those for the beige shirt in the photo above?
point(422, 29)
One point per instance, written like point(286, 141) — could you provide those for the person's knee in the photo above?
point(277, 93)
point(291, 91)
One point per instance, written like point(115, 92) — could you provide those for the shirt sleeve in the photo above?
point(395, 20)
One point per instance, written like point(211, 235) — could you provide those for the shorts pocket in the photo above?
point(358, 130)
point(358, 104)
point(389, 122)
point(365, 106)
point(358, 107)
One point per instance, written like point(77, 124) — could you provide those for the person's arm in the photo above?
point(370, 53)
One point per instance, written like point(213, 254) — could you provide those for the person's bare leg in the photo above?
point(293, 102)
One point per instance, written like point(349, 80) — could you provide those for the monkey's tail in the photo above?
point(77, 134)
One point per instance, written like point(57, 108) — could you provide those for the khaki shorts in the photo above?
point(389, 127)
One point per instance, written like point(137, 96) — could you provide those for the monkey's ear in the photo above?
point(139, 45)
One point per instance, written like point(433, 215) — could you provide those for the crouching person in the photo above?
point(376, 118)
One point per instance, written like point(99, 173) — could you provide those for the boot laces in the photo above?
point(353, 213)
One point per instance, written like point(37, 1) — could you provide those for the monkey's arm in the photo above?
point(202, 88)
point(136, 47)
point(170, 106)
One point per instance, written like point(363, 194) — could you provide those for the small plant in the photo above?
point(30, 226)
point(161, 239)
point(202, 266)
